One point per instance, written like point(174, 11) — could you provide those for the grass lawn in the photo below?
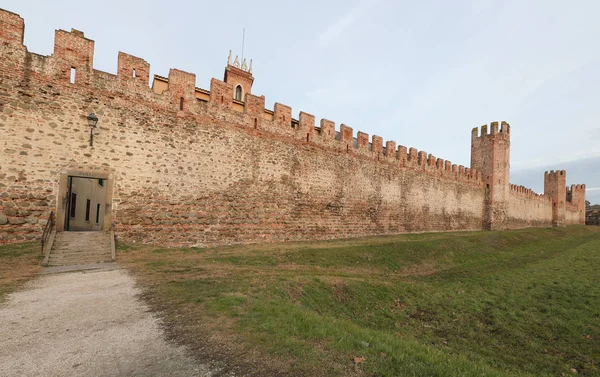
point(516, 303)
point(18, 263)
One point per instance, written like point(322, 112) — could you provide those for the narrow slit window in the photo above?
point(221, 100)
point(181, 103)
point(98, 213)
point(307, 137)
point(238, 92)
point(73, 74)
point(87, 209)
point(133, 73)
point(73, 205)
point(255, 123)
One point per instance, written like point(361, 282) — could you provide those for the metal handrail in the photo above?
point(48, 229)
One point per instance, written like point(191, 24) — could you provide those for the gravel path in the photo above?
point(86, 324)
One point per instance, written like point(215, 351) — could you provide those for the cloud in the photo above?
point(337, 28)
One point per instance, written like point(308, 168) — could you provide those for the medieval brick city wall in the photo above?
point(187, 171)
point(527, 208)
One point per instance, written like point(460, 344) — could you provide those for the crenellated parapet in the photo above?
point(524, 192)
point(72, 65)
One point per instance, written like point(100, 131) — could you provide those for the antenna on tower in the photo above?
point(243, 39)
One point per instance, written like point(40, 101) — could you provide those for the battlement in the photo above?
point(525, 192)
point(72, 64)
point(574, 188)
point(494, 131)
point(13, 27)
point(280, 121)
point(557, 173)
point(576, 194)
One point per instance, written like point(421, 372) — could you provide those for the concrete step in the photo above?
point(80, 253)
point(74, 263)
point(82, 238)
point(57, 261)
point(95, 245)
point(89, 246)
point(72, 248)
point(86, 242)
point(81, 250)
point(64, 262)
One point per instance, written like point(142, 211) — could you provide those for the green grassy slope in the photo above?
point(515, 303)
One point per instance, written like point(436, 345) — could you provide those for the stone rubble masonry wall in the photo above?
point(209, 174)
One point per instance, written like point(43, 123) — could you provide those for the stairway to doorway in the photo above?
point(76, 248)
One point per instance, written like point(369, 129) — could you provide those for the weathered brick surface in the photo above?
point(188, 171)
point(527, 208)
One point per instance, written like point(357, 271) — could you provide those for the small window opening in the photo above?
point(87, 209)
point(255, 123)
point(307, 137)
point(101, 182)
point(73, 74)
point(181, 103)
point(238, 92)
point(98, 213)
point(347, 148)
point(221, 100)
point(133, 73)
point(73, 205)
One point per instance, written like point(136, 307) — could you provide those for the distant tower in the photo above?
point(555, 186)
point(239, 76)
point(490, 154)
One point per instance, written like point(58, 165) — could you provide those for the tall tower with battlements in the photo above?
point(490, 154)
point(555, 186)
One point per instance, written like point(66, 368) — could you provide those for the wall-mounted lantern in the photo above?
point(92, 121)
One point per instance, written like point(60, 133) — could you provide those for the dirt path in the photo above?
point(86, 324)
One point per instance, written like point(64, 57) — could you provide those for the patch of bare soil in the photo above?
point(16, 270)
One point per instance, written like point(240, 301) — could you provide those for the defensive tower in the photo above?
point(555, 186)
point(490, 154)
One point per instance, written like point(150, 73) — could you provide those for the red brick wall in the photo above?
point(12, 29)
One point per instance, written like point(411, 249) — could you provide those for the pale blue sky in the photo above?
point(422, 73)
